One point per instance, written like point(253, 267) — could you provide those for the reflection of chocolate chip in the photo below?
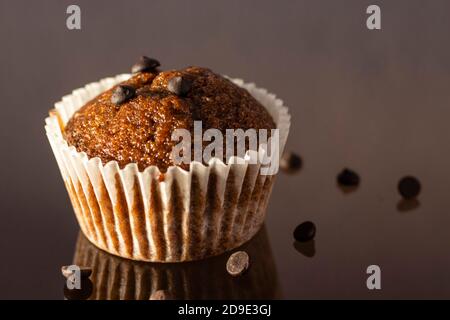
point(85, 291)
point(290, 162)
point(348, 177)
point(238, 263)
point(308, 248)
point(409, 187)
point(179, 86)
point(305, 231)
point(122, 93)
point(145, 64)
point(85, 272)
point(405, 205)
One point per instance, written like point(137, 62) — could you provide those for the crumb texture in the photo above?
point(139, 130)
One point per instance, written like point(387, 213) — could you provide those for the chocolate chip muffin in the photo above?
point(133, 122)
point(113, 144)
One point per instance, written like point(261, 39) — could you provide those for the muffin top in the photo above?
point(133, 121)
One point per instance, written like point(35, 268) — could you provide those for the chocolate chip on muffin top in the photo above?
point(133, 121)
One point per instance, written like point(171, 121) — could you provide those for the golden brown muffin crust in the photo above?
point(139, 130)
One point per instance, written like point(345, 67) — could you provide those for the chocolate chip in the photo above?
point(179, 86)
point(305, 231)
point(122, 93)
point(85, 272)
point(290, 162)
point(145, 64)
point(348, 177)
point(409, 187)
point(238, 263)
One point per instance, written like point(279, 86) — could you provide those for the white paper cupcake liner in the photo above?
point(190, 215)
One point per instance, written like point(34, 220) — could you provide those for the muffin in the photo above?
point(113, 141)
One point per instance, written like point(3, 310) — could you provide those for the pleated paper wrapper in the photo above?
point(189, 215)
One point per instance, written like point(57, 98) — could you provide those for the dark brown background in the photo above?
point(376, 101)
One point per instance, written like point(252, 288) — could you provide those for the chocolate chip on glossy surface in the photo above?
point(348, 178)
point(409, 187)
point(179, 85)
point(238, 263)
point(145, 64)
point(290, 162)
point(122, 93)
point(85, 272)
point(305, 231)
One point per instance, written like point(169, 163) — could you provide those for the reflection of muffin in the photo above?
point(117, 278)
point(113, 146)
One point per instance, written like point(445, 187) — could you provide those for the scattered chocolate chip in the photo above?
point(238, 263)
point(85, 272)
point(290, 162)
point(409, 187)
point(145, 64)
point(179, 85)
point(160, 295)
point(122, 93)
point(348, 177)
point(305, 231)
